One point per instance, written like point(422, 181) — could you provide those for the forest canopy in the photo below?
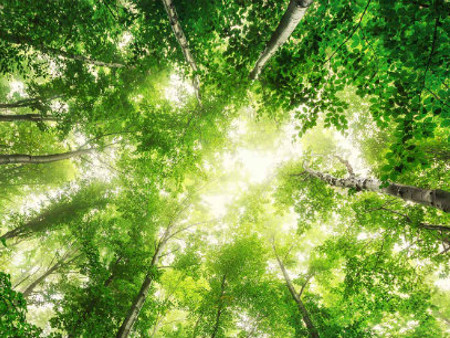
point(175, 168)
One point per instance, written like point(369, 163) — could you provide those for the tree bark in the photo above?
point(182, 41)
point(26, 117)
point(436, 198)
point(21, 103)
point(220, 307)
point(57, 213)
point(40, 279)
point(138, 303)
point(291, 18)
point(305, 315)
point(19, 158)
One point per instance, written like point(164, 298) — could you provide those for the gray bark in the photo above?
point(291, 18)
point(25, 159)
point(303, 311)
point(26, 117)
point(182, 41)
point(138, 303)
point(58, 213)
point(219, 308)
point(40, 279)
point(436, 198)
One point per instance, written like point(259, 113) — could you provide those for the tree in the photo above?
point(436, 198)
point(291, 18)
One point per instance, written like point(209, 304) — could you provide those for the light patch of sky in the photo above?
point(126, 39)
point(178, 89)
point(250, 164)
point(352, 154)
point(17, 87)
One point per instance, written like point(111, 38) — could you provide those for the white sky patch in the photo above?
point(127, 37)
point(17, 87)
point(443, 284)
point(178, 89)
point(352, 154)
point(250, 164)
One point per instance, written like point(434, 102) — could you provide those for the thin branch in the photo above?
point(347, 164)
point(351, 34)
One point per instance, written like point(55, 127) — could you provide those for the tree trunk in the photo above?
point(138, 303)
point(21, 103)
point(220, 308)
point(39, 280)
point(19, 158)
point(57, 213)
point(291, 18)
point(26, 117)
point(305, 315)
point(436, 198)
point(182, 41)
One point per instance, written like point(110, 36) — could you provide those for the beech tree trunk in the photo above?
point(436, 198)
point(138, 303)
point(57, 214)
point(41, 278)
point(26, 117)
point(291, 18)
point(220, 307)
point(25, 159)
point(182, 41)
point(305, 315)
point(21, 103)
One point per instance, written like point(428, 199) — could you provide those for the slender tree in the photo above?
point(64, 261)
point(220, 305)
point(26, 117)
point(39, 159)
point(436, 198)
point(183, 42)
point(291, 18)
point(297, 298)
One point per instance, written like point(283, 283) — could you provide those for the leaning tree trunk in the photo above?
point(26, 117)
point(138, 303)
point(182, 41)
point(219, 308)
point(56, 214)
point(436, 198)
point(26, 159)
point(40, 279)
point(304, 313)
point(291, 18)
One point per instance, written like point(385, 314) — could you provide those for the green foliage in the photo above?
point(13, 322)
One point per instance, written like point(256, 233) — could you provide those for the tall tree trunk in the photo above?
point(19, 158)
point(21, 103)
point(291, 18)
point(138, 303)
point(303, 311)
point(26, 117)
point(219, 308)
point(57, 213)
point(40, 279)
point(33, 102)
point(436, 198)
point(182, 41)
